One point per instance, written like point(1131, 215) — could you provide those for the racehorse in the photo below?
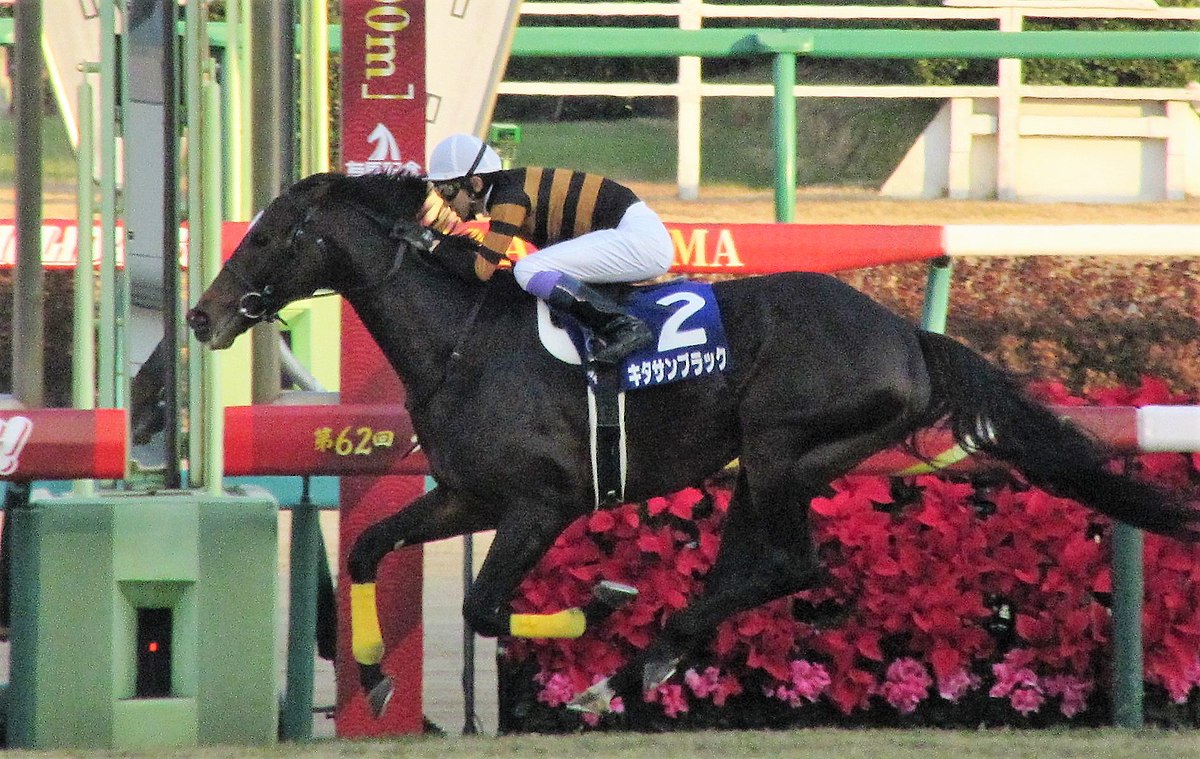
point(820, 377)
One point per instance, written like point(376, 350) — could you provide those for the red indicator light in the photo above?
point(153, 647)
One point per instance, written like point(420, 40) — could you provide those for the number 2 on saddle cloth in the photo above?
point(689, 343)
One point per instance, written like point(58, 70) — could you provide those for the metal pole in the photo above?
point(235, 86)
point(937, 294)
point(107, 337)
point(1128, 592)
point(213, 421)
point(173, 477)
point(28, 327)
point(296, 717)
point(273, 155)
point(470, 720)
point(83, 358)
point(784, 121)
point(195, 52)
point(274, 103)
point(314, 86)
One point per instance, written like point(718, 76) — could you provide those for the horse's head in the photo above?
point(301, 243)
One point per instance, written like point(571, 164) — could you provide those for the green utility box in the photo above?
point(505, 139)
point(143, 620)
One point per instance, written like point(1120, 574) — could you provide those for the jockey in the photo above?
point(588, 229)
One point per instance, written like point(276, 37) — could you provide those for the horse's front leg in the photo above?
point(438, 514)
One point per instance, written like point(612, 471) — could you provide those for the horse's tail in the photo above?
point(988, 411)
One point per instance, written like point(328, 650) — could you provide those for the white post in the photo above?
point(958, 165)
point(1175, 151)
point(688, 109)
point(1008, 113)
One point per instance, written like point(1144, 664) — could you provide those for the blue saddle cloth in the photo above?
point(689, 336)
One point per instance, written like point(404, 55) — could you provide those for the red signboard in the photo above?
point(383, 128)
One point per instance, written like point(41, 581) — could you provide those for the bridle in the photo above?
point(262, 304)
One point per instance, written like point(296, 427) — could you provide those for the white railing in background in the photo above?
point(1008, 15)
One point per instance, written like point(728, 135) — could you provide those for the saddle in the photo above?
point(689, 344)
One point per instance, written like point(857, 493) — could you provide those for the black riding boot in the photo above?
point(616, 333)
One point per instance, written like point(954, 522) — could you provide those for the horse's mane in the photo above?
point(400, 196)
point(397, 195)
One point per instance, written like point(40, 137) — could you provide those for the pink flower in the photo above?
point(1012, 674)
point(702, 684)
point(556, 688)
point(807, 682)
point(670, 697)
point(1027, 700)
point(957, 685)
point(906, 684)
point(712, 683)
point(1073, 690)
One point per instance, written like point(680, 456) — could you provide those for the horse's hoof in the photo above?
point(378, 687)
point(607, 597)
point(614, 594)
point(655, 673)
point(380, 696)
point(370, 675)
point(595, 700)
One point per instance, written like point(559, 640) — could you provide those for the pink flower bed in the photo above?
point(984, 596)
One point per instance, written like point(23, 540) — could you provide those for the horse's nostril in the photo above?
point(199, 323)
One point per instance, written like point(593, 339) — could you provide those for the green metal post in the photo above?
point(236, 89)
point(83, 358)
point(1128, 590)
point(314, 87)
point(213, 416)
point(784, 122)
point(107, 337)
point(937, 295)
point(28, 327)
point(296, 717)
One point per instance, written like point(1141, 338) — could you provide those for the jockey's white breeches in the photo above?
point(638, 248)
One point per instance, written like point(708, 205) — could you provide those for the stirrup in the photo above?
point(626, 334)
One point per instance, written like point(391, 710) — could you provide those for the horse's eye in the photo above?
point(259, 239)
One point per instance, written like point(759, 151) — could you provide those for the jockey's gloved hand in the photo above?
point(457, 253)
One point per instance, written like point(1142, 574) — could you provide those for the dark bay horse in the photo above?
point(820, 378)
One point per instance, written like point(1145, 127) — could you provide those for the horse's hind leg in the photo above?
point(756, 563)
point(767, 550)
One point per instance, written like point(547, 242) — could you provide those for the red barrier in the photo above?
point(320, 440)
point(768, 248)
point(375, 439)
point(62, 444)
point(706, 248)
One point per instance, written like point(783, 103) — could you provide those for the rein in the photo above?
point(262, 304)
point(416, 403)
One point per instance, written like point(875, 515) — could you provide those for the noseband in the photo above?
point(262, 304)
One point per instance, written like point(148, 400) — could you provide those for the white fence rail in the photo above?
point(689, 89)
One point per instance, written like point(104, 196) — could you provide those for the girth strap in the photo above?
point(606, 403)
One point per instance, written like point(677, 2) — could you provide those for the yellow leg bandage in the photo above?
point(944, 459)
point(569, 623)
point(365, 638)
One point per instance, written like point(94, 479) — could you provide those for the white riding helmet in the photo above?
point(459, 156)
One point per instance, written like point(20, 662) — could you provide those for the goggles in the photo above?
point(448, 190)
